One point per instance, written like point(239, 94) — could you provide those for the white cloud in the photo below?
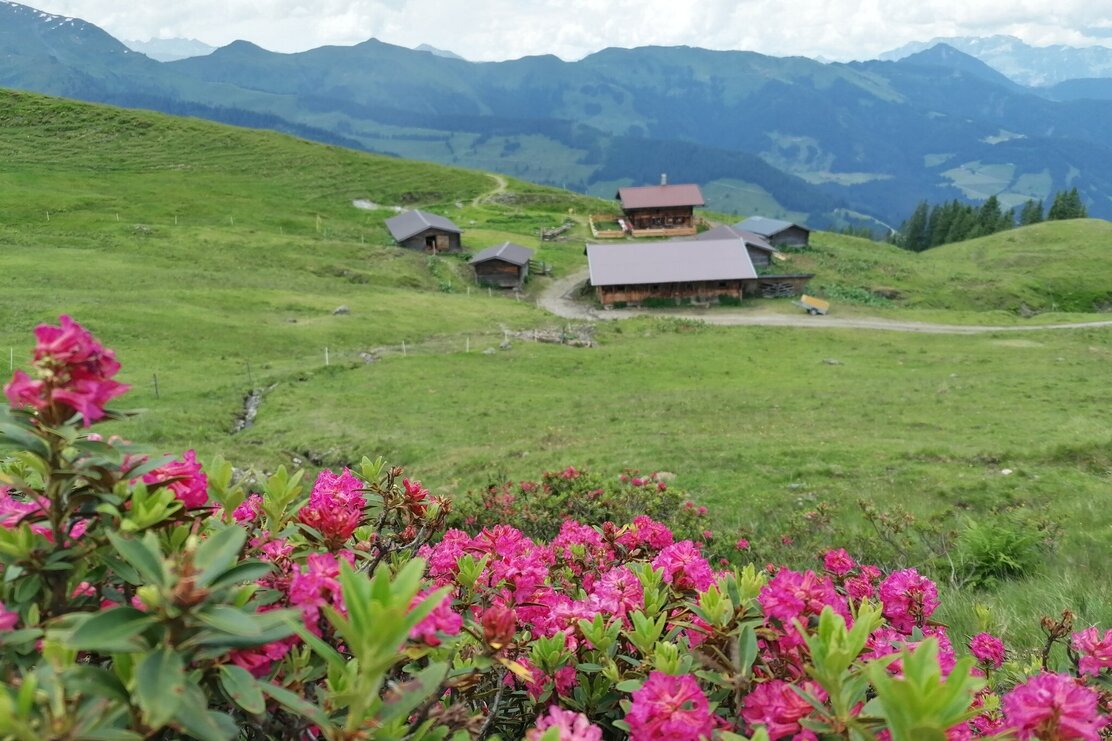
point(505, 29)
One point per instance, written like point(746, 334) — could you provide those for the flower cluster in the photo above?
point(73, 375)
point(279, 613)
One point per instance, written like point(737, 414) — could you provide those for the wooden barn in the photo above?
point(760, 251)
point(504, 266)
point(660, 210)
point(702, 271)
point(420, 230)
point(778, 233)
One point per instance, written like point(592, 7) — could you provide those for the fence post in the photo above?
point(155, 377)
point(468, 347)
point(404, 353)
point(326, 356)
point(250, 377)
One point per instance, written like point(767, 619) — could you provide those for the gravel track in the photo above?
point(559, 299)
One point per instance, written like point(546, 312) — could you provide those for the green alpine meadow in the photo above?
point(740, 499)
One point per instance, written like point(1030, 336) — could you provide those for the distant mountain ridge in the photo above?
point(1021, 62)
point(781, 137)
point(171, 50)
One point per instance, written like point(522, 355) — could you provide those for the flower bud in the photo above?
point(499, 625)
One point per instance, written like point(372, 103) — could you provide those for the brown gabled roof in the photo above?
point(660, 196)
point(408, 223)
point(509, 252)
point(624, 263)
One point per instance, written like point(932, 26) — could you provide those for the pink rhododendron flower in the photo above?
point(573, 726)
point(790, 595)
point(1053, 707)
point(75, 373)
point(684, 566)
point(499, 625)
point(987, 649)
point(317, 584)
point(562, 682)
point(14, 512)
point(8, 618)
point(617, 593)
point(779, 708)
point(335, 506)
point(645, 531)
point(1095, 651)
point(442, 620)
point(886, 641)
point(670, 708)
point(859, 588)
point(416, 497)
point(742, 544)
point(838, 562)
point(909, 598)
point(581, 546)
point(249, 509)
point(190, 486)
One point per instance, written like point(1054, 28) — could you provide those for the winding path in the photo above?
point(500, 187)
point(559, 298)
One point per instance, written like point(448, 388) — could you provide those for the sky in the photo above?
point(488, 30)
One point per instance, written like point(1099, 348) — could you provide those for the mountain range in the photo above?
point(787, 137)
point(1021, 62)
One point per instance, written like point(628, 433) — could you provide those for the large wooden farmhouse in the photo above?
point(760, 251)
point(660, 210)
point(704, 271)
point(421, 230)
point(778, 233)
point(505, 265)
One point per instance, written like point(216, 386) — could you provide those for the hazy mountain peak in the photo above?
point(1023, 63)
point(945, 55)
point(438, 52)
point(169, 50)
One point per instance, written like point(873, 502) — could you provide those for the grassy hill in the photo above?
point(213, 258)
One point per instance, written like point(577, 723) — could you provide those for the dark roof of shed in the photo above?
point(726, 231)
point(766, 227)
point(509, 252)
point(660, 196)
point(406, 224)
point(669, 262)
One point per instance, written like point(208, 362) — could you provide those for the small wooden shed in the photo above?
point(505, 265)
point(760, 251)
point(778, 233)
point(421, 230)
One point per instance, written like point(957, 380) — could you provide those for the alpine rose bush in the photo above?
point(155, 597)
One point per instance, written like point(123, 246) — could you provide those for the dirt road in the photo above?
point(558, 299)
point(500, 187)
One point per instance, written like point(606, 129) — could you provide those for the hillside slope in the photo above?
point(215, 256)
point(786, 137)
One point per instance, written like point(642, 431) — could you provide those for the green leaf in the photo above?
point(232, 621)
point(218, 553)
point(150, 465)
point(20, 438)
point(111, 631)
point(245, 571)
point(159, 686)
point(629, 685)
point(143, 555)
point(243, 689)
point(95, 682)
point(296, 704)
point(194, 717)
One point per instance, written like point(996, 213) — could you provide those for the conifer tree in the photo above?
point(1032, 213)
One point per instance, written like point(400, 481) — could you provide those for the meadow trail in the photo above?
point(559, 298)
point(500, 187)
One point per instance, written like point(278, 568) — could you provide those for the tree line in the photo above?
point(954, 221)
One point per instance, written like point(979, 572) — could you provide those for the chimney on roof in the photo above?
point(663, 178)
